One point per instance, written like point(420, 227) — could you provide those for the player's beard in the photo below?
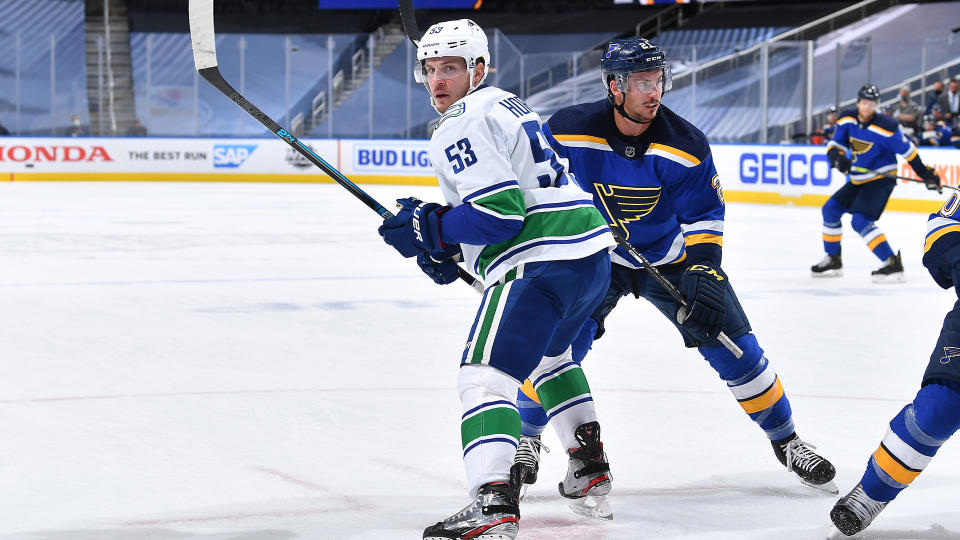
point(645, 112)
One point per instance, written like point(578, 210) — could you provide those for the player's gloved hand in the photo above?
point(441, 271)
point(416, 228)
point(703, 286)
point(838, 160)
point(931, 179)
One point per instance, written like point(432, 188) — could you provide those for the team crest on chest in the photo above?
point(625, 204)
point(858, 146)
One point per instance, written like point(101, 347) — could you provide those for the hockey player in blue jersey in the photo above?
point(542, 251)
point(873, 141)
point(652, 175)
point(923, 426)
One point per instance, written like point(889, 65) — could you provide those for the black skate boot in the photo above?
point(855, 511)
point(890, 272)
point(494, 515)
point(528, 456)
point(588, 474)
point(830, 266)
point(799, 458)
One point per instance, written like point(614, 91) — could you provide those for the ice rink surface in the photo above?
point(251, 362)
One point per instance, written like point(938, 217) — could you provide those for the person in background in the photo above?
point(907, 112)
point(826, 132)
point(937, 133)
point(950, 102)
point(137, 129)
point(3, 130)
point(934, 96)
point(76, 128)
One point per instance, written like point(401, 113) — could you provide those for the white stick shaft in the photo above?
point(201, 34)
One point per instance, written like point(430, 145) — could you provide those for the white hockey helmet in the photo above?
point(461, 37)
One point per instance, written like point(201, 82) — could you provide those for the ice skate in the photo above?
point(855, 511)
point(528, 456)
point(812, 469)
point(588, 475)
point(890, 272)
point(494, 515)
point(830, 266)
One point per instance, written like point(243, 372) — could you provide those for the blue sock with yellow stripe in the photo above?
point(872, 236)
point(532, 418)
point(832, 228)
point(914, 437)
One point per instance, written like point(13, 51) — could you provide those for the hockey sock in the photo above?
point(532, 418)
point(564, 395)
point(490, 425)
point(876, 241)
point(914, 437)
point(755, 385)
point(832, 229)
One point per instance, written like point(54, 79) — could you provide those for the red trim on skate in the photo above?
point(484, 529)
point(592, 483)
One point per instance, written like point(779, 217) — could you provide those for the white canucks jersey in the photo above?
point(513, 197)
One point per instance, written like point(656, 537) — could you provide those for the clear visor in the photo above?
point(643, 82)
point(424, 73)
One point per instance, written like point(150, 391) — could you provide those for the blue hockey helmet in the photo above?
point(869, 91)
point(630, 55)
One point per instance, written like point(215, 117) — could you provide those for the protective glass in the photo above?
point(449, 70)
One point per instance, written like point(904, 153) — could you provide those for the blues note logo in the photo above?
point(625, 204)
point(949, 353)
point(858, 147)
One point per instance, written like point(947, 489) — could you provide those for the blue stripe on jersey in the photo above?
point(568, 405)
point(485, 405)
point(465, 224)
point(488, 189)
point(552, 372)
point(511, 442)
point(536, 207)
point(499, 260)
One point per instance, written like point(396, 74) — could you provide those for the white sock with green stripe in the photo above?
point(565, 396)
point(490, 425)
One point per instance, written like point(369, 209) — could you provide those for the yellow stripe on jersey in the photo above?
point(847, 120)
point(865, 180)
point(675, 151)
point(581, 138)
point(880, 130)
point(703, 238)
point(527, 389)
point(894, 468)
point(934, 236)
point(912, 154)
point(876, 241)
point(832, 237)
point(764, 400)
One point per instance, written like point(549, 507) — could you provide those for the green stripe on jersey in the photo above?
point(570, 384)
point(495, 421)
point(483, 333)
point(559, 223)
point(508, 202)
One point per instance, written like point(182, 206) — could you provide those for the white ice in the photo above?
point(251, 362)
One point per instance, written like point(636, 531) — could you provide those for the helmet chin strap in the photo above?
point(623, 112)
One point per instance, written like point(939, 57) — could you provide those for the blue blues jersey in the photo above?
point(874, 145)
point(943, 233)
point(660, 190)
point(940, 135)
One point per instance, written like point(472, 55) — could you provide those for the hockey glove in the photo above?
point(416, 228)
point(441, 272)
point(931, 179)
point(704, 287)
point(839, 160)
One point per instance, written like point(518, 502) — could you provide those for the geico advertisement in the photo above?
point(800, 170)
point(159, 155)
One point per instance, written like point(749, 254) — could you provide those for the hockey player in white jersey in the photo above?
point(541, 249)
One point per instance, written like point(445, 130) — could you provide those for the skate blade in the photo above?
point(505, 531)
point(523, 490)
point(828, 487)
point(828, 273)
point(593, 506)
point(890, 278)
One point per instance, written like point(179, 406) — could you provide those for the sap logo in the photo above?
point(231, 155)
point(380, 157)
point(793, 169)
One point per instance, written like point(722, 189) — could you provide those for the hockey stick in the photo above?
point(667, 286)
point(895, 176)
point(205, 57)
point(409, 21)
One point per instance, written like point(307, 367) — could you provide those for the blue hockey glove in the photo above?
point(441, 272)
point(703, 286)
point(838, 160)
point(415, 229)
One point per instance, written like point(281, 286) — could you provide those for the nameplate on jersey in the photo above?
point(625, 204)
point(859, 146)
point(457, 109)
point(516, 106)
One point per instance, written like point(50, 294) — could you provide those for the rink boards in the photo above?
point(773, 174)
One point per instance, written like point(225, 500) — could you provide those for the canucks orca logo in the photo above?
point(858, 146)
point(625, 204)
point(949, 353)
